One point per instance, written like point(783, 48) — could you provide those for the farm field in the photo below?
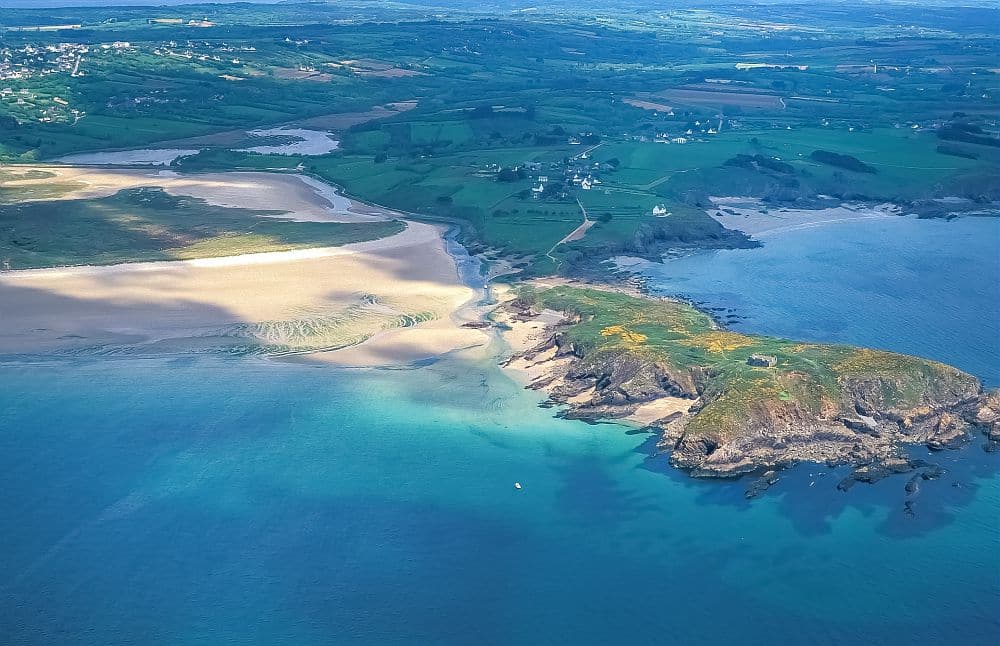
point(509, 126)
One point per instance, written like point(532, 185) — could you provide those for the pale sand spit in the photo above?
point(401, 292)
point(291, 196)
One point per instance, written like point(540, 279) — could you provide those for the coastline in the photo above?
point(758, 220)
point(531, 359)
point(397, 301)
point(391, 301)
point(761, 220)
point(859, 423)
point(851, 283)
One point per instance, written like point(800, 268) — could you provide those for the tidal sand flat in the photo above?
point(277, 303)
point(405, 290)
point(288, 195)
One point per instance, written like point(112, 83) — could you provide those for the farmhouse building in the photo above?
point(762, 360)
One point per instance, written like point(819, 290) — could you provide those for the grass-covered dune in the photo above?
point(825, 403)
point(144, 224)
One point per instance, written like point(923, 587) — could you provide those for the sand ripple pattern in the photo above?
point(315, 332)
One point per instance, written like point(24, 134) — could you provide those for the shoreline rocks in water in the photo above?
point(605, 354)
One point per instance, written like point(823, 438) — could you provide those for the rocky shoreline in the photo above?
point(864, 430)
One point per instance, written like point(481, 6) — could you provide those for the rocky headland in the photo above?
point(726, 404)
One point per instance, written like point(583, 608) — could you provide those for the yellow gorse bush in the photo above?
point(626, 335)
point(719, 341)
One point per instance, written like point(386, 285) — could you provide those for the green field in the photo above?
point(500, 101)
point(674, 339)
point(679, 177)
point(148, 224)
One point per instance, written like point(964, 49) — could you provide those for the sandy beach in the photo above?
point(753, 217)
point(545, 371)
point(400, 298)
point(403, 290)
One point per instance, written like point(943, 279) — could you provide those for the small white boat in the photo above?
point(517, 485)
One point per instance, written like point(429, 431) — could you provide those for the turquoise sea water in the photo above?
point(252, 501)
point(246, 501)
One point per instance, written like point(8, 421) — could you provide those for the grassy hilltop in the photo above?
point(633, 350)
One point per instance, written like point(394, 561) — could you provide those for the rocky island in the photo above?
point(728, 404)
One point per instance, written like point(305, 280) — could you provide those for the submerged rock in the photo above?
point(933, 472)
point(761, 484)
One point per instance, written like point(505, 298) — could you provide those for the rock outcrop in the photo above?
point(863, 419)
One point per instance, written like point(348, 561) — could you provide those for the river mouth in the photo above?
point(138, 157)
point(282, 140)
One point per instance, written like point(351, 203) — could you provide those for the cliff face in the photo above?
point(827, 404)
point(864, 427)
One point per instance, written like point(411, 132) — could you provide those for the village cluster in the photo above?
point(28, 62)
point(31, 93)
point(555, 179)
point(203, 51)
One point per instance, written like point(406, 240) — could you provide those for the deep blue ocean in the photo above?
point(253, 501)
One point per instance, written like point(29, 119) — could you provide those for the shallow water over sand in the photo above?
point(310, 142)
point(143, 157)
